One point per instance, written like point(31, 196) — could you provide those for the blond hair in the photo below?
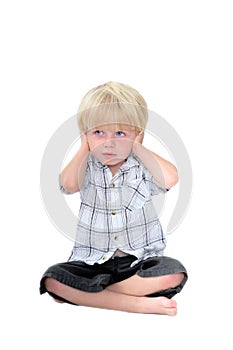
point(112, 103)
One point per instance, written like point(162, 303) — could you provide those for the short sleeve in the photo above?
point(87, 176)
point(62, 189)
point(153, 187)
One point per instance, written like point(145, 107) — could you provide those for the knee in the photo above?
point(51, 285)
point(175, 280)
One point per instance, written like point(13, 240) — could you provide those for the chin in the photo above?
point(119, 162)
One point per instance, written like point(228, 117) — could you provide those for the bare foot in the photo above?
point(159, 305)
point(58, 301)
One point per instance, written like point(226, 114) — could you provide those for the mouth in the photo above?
point(109, 154)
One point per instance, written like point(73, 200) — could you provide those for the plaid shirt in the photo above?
point(117, 212)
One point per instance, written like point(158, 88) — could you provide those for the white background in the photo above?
point(178, 54)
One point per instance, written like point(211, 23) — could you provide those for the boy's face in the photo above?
point(111, 144)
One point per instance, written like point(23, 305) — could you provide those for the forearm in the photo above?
point(72, 176)
point(164, 173)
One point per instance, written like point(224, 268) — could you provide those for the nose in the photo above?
point(109, 142)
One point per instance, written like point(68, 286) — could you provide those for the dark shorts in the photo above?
point(95, 278)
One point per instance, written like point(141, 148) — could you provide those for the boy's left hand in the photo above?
point(139, 138)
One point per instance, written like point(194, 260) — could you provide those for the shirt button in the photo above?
point(105, 258)
point(112, 185)
point(116, 238)
point(113, 212)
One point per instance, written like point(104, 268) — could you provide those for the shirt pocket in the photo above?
point(135, 194)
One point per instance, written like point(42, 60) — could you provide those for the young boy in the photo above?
point(117, 261)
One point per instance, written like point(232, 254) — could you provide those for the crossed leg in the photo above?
point(127, 295)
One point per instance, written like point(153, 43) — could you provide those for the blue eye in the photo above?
point(98, 132)
point(120, 133)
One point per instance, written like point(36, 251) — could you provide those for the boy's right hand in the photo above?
point(84, 142)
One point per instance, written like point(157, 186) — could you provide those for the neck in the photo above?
point(114, 168)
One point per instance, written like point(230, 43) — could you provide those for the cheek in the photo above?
point(94, 144)
point(126, 145)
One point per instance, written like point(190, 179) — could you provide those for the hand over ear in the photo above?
point(139, 138)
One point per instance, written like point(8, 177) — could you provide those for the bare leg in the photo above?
point(118, 297)
point(140, 286)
